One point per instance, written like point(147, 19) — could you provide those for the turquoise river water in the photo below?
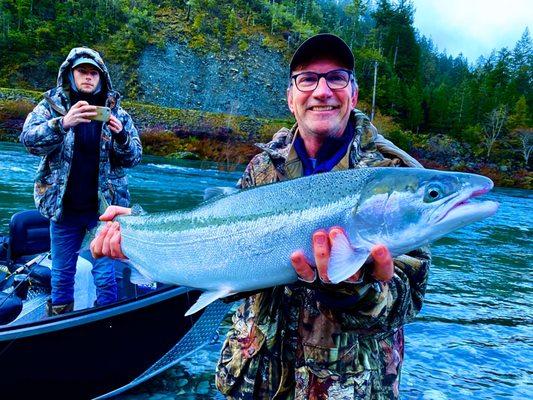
point(473, 338)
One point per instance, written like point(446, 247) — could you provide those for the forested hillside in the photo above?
point(425, 99)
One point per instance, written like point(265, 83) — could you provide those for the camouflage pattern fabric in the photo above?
point(44, 136)
point(321, 341)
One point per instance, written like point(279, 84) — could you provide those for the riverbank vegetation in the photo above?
point(453, 112)
point(229, 140)
point(226, 139)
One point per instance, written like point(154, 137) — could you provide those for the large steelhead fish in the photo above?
point(243, 241)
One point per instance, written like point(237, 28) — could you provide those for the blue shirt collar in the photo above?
point(329, 154)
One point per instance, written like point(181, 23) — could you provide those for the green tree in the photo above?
point(520, 117)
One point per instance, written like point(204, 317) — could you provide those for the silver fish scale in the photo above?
point(242, 255)
point(288, 196)
point(255, 227)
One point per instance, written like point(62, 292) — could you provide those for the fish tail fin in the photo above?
point(91, 234)
point(207, 298)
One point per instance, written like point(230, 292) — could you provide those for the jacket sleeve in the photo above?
point(42, 133)
point(382, 306)
point(129, 153)
point(247, 179)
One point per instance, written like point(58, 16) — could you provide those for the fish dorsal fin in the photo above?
point(218, 191)
point(207, 298)
point(344, 260)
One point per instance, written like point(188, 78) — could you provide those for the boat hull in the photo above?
point(89, 353)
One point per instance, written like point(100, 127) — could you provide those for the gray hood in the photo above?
point(58, 97)
point(75, 53)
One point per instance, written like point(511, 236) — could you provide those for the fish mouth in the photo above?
point(464, 211)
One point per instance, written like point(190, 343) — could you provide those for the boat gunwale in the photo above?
point(89, 315)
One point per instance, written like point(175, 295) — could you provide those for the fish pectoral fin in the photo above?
point(207, 298)
point(344, 260)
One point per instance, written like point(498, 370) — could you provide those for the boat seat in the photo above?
point(29, 234)
point(10, 308)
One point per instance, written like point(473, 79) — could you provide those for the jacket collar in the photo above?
point(283, 155)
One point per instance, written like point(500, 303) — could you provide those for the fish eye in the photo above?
point(433, 192)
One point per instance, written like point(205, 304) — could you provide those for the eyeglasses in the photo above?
point(336, 79)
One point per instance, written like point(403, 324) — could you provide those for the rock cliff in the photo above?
point(251, 83)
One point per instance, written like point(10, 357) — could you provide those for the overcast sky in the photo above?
point(473, 27)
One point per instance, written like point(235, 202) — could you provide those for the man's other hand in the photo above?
point(382, 268)
point(108, 241)
point(114, 211)
point(78, 113)
point(114, 124)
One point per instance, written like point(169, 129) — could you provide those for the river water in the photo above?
point(473, 338)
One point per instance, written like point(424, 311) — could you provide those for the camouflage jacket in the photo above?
point(43, 135)
point(323, 341)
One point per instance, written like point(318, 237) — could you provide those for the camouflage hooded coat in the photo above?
point(43, 135)
point(319, 341)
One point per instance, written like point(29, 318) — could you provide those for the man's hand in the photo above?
point(383, 268)
point(108, 241)
point(114, 124)
point(78, 113)
point(114, 211)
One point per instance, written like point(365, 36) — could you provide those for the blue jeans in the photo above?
point(66, 240)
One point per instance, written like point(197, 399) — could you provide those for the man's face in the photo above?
point(322, 112)
point(86, 77)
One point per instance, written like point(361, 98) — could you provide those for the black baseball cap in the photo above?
point(323, 45)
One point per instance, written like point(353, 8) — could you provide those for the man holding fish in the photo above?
point(315, 339)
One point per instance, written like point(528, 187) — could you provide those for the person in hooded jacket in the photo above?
point(82, 164)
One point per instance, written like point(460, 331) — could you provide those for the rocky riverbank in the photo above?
point(229, 139)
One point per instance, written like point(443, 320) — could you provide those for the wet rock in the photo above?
point(203, 387)
point(181, 382)
point(184, 155)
